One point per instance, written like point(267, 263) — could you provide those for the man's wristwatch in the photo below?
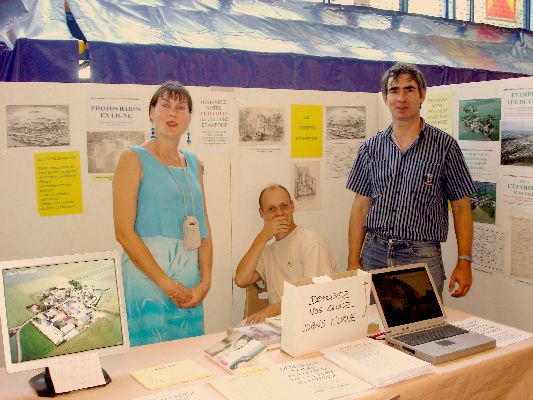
point(466, 258)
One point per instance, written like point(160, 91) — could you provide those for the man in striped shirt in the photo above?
point(403, 178)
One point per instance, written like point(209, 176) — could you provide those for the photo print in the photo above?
point(517, 139)
point(479, 119)
point(104, 149)
point(483, 202)
point(37, 125)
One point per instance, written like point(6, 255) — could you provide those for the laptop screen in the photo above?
point(406, 295)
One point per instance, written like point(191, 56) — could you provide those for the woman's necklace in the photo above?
point(176, 181)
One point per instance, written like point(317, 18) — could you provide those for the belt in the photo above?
point(383, 239)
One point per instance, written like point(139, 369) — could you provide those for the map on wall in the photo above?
point(521, 249)
point(487, 248)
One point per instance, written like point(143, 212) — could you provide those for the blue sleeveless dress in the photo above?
point(152, 317)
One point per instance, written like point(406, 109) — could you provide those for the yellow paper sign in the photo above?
point(170, 374)
point(58, 183)
point(306, 131)
point(438, 110)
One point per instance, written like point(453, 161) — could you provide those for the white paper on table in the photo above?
point(189, 393)
point(314, 379)
point(256, 385)
point(319, 379)
point(503, 334)
point(375, 362)
point(75, 372)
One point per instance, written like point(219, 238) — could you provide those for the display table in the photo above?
point(505, 373)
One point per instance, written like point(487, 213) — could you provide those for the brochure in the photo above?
point(238, 352)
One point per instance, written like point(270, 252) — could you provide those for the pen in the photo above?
point(377, 335)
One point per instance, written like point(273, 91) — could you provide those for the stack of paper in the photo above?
point(375, 362)
point(503, 334)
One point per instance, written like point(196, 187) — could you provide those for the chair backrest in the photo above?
point(253, 302)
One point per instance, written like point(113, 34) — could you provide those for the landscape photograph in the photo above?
point(517, 143)
point(484, 202)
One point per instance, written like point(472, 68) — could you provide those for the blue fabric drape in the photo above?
point(35, 43)
point(289, 44)
point(153, 64)
point(40, 61)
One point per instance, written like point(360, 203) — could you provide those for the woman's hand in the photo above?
point(198, 293)
point(179, 294)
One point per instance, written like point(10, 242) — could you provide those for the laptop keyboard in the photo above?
point(431, 334)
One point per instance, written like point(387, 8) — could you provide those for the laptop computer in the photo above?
point(414, 318)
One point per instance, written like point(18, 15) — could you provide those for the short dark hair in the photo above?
point(174, 90)
point(273, 186)
point(403, 68)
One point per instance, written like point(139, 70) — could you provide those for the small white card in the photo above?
point(76, 372)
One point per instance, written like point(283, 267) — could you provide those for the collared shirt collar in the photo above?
point(388, 132)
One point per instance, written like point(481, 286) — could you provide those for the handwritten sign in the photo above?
point(75, 372)
point(58, 183)
point(314, 379)
point(316, 315)
point(320, 380)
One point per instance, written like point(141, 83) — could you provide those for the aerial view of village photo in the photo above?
point(61, 309)
point(479, 119)
point(484, 202)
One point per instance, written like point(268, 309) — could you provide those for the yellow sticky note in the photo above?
point(170, 374)
point(306, 131)
point(58, 183)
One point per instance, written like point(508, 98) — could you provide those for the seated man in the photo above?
point(297, 253)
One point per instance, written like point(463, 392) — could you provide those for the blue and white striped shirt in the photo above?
point(410, 191)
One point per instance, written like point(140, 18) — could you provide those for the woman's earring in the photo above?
point(188, 136)
point(152, 135)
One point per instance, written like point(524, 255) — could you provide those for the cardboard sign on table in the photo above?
point(317, 315)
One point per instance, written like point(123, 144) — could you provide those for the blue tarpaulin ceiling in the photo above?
point(272, 44)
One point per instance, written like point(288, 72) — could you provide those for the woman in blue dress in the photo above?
point(161, 222)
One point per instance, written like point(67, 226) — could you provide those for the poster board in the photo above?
point(316, 315)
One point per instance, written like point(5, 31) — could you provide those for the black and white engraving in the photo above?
point(261, 126)
point(344, 122)
point(37, 125)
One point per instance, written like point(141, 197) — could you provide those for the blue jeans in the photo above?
point(379, 253)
